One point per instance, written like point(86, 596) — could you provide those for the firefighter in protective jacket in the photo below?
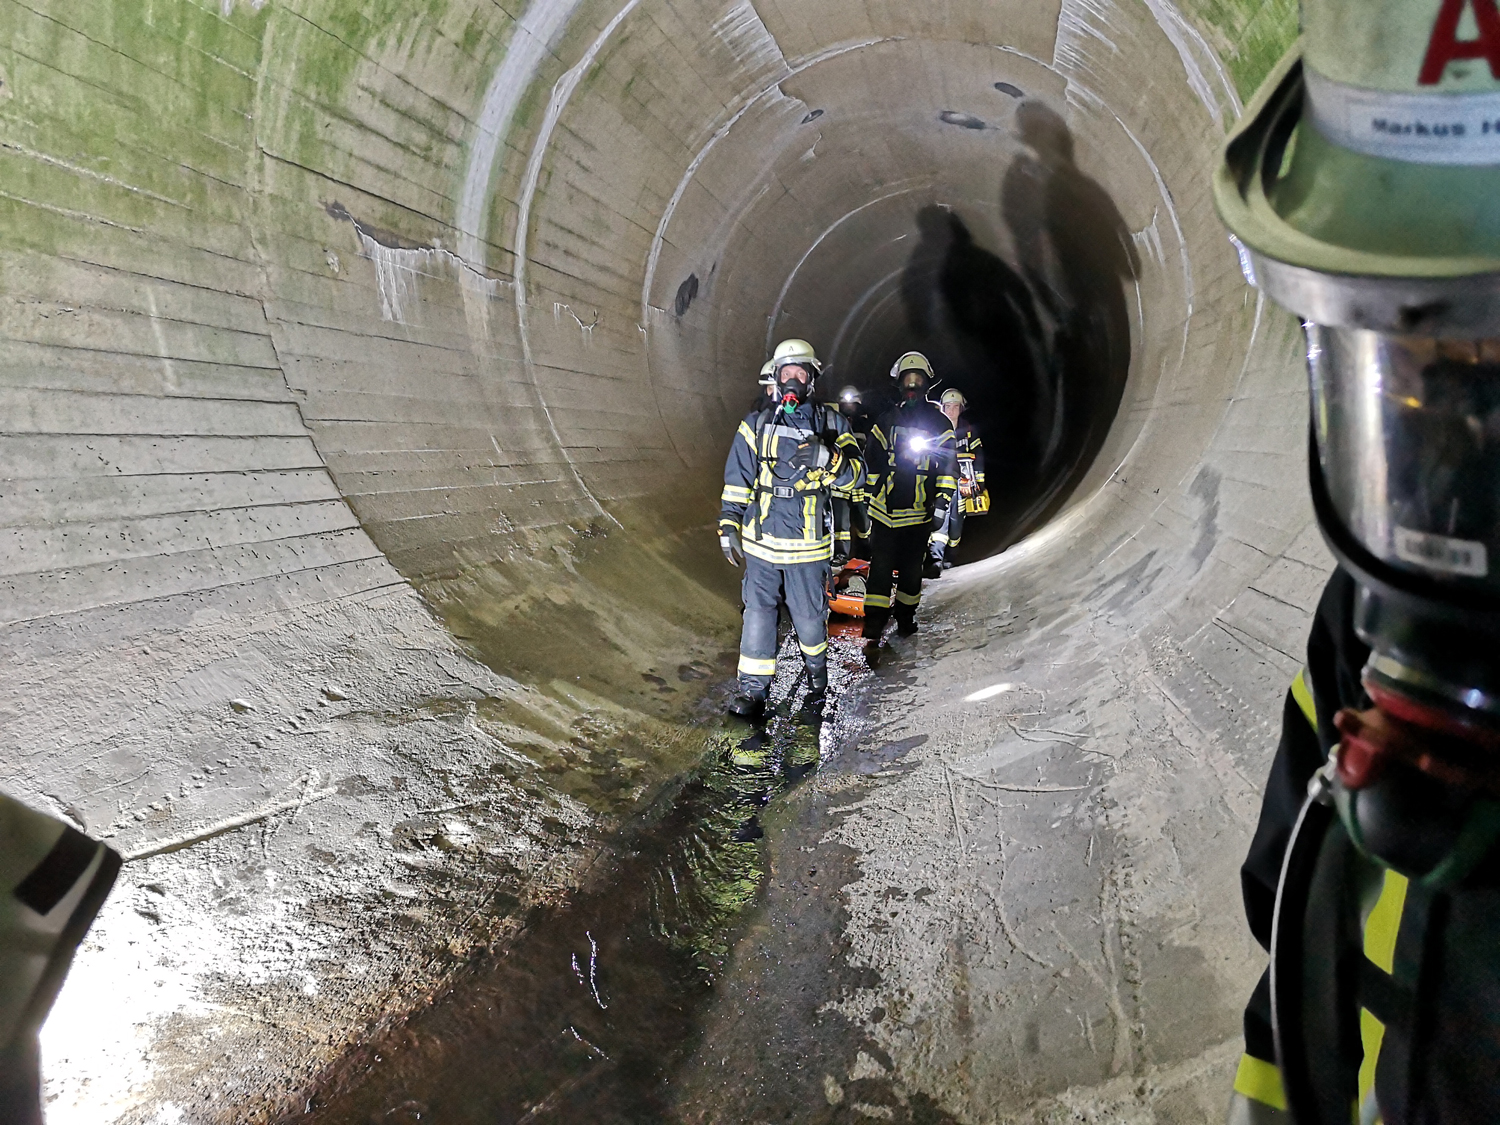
point(947, 536)
point(1360, 188)
point(910, 470)
point(782, 467)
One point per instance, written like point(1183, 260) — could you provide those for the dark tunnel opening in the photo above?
point(1039, 347)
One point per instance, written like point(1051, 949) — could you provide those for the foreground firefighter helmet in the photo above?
point(799, 354)
point(913, 374)
point(912, 361)
point(1364, 188)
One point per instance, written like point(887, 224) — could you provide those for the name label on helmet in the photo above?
point(1457, 128)
point(1440, 553)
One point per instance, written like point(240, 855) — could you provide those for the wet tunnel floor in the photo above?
point(598, 1012)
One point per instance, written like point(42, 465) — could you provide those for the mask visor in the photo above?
point(1408, 439)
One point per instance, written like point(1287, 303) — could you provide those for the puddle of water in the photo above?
point(585, 1016)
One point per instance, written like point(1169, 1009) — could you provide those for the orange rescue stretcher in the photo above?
point(846, 593)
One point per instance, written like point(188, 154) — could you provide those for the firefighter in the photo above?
point(851, 506)
point(943, 548)
point(782, 467)
point(1374, 874)
point(767, 383)
point(55, 879)
point(910, 464)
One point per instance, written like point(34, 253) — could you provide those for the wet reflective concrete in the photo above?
point(598, 1004)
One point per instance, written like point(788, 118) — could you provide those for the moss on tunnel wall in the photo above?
point(1250, 35)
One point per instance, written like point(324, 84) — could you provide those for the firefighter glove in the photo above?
point(812, 454)
point(729, 543)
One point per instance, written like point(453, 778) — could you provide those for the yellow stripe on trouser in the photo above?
point(1260, 1081)
point(813, 650)
point(908, 599)
point(1381, 928)
point(879, 601)
point(750, 666)
point(1304, 697)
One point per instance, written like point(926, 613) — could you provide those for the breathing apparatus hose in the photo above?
point(1294, 1046)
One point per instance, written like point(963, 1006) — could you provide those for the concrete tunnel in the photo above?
point(368, 374)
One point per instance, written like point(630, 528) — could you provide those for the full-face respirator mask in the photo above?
point(795, 371)
point(1359, 188)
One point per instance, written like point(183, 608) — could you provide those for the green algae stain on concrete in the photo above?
point(1250, 35)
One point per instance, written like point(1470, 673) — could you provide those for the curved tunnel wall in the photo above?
point(307, 307)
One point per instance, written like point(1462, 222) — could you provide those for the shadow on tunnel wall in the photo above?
point(1041, 350)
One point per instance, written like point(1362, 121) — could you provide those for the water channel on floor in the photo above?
point(585, 1016)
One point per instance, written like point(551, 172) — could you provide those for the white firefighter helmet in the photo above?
point(954, 395)
point(799, 352)
point(912, 361)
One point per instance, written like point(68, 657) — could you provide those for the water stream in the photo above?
point(585, 1016)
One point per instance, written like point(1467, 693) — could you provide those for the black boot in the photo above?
point(811, 711)
point(747, 704)
point(906, 626)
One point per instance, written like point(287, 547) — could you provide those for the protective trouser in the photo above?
point(945, 539)
point(851, 526)
point(894, 550)
point(804, 589)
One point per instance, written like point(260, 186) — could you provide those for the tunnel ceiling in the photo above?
point(369, 370)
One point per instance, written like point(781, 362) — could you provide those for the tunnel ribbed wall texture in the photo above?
point(368, 371)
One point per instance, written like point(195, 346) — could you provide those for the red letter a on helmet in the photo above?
point(1445, 46)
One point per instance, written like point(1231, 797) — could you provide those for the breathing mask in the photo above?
point(794, 356)
point(913, 375)
point(1360, 188)
point(793, 386)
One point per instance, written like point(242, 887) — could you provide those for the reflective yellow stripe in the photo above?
point(878, 601)
point(748, 434)
point(819, 551)
point(1260, 1081)
point(1304, 697)
point(814, 650)
point(750, 666)
point(946, 482)
point(1381, 928)
point(809, 517)
point(736, 494)
point(903, 517)
point(908, 599)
